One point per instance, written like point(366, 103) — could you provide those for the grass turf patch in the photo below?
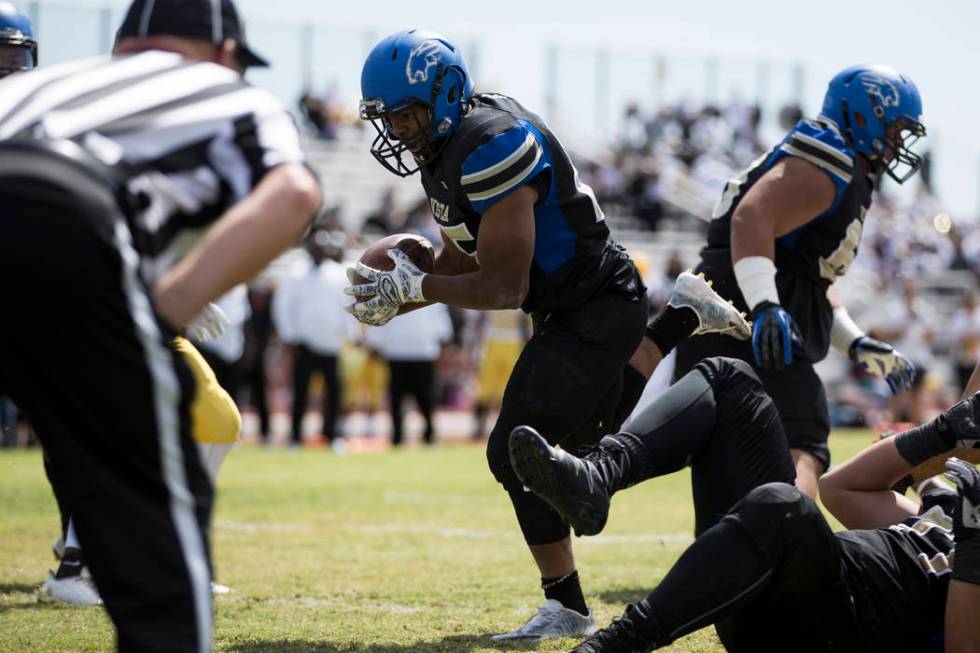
point(413, 550)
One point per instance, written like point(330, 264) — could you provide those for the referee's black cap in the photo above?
point(210, 20)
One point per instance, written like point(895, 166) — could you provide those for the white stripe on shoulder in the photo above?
point(15, 88)
point(182, 82)
point(87, 81)
point(820, 163)
point(516, 180)
point(480, 175)
point(840, 156)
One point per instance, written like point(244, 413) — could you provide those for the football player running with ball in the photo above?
point(519, 231)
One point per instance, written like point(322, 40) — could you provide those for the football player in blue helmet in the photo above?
point(519, 230)
point(783, 231)
point(880, 113)
point(18, 49)
point(413, 83)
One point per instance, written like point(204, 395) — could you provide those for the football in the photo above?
point(418, 248)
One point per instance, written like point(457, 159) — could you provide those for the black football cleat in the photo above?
point(618, 637)
point(573, 486)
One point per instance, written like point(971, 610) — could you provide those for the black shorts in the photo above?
point(797, 390)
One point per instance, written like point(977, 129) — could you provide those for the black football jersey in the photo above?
point(498, 147)
point(899, 577)
point(813, 256)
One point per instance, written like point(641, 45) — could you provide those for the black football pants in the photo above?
point(765, 568)
point(565, 384)
point(87, 359)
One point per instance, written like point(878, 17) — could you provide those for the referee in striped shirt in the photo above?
point(135, 190)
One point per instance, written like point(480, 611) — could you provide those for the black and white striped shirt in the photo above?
point(196, 137)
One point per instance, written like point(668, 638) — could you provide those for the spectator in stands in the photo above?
point(411, 345)
point(386, 219)
point(258, 331)
point(308, 311)
point(660, 289)
point(964, 330)
point(496, 340)
point(903, 322)
point(312, 109)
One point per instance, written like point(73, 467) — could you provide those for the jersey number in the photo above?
point(840, 259)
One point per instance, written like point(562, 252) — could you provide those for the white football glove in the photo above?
point(376, 311)
point(401, 285)
point(209, 324)
point(883, 360)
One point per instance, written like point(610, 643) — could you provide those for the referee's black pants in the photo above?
point(86, 357)
point(416, 378)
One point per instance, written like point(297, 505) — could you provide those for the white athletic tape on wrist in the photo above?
point(845, 331)
point(756, 276)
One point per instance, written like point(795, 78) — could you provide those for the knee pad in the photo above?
point(722, 372)
point(774, 515)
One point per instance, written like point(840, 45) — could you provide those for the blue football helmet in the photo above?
point(413, 68)
point(18, 49)
point(880, 112)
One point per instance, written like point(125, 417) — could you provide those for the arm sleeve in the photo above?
point(503, 164)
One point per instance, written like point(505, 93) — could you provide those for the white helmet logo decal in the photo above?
point(883, 88)
point(425, 56)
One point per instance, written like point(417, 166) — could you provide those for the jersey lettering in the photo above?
point(461, 237)
point(837, 264)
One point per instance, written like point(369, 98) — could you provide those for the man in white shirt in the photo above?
point(411, 345)
point(308, 312)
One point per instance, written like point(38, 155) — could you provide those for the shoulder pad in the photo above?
point(501, 165)
point(822, 145)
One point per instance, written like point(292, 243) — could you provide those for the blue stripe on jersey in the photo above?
point(503, 164)
point(554, 238)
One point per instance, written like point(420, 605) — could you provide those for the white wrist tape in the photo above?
point(845, 331)
point(756, 276)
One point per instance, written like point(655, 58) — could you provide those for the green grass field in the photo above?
point(413, 550)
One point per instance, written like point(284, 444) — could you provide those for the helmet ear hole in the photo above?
point(861, 121)
point(453, 91)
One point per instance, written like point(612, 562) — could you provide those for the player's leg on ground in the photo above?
point(302, 370)
point(558, 385)
point(768, 575)
point(797, 392)
point(139, 497)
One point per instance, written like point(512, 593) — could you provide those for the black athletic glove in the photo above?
point(966, 520)
point(773, 335)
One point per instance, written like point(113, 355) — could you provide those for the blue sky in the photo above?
point(933, 42)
